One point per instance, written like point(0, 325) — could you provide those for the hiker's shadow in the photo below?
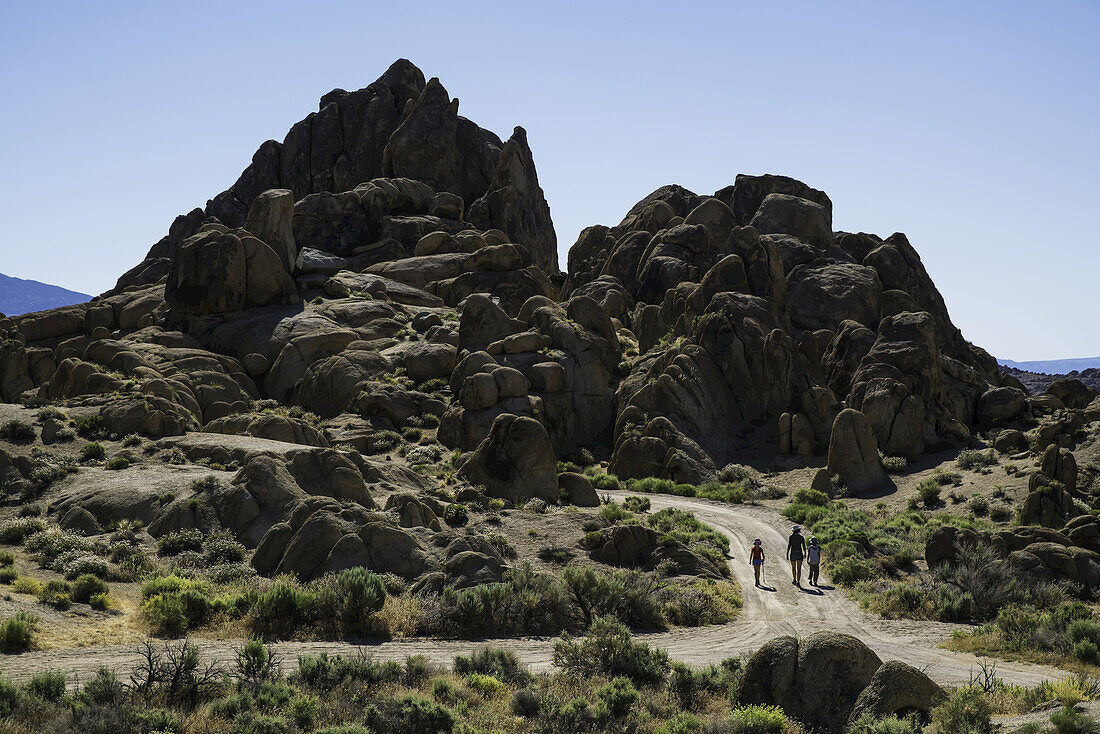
point(825, 587)
point(764, 587)
point(813, 590)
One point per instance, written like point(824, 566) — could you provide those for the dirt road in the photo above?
point(782, 609)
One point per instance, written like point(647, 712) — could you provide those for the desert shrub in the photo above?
point(86, 586)
point(955, 605)
point(979, 505)
point(303, 710)
point(978, 573)
point(868, 724)
point(618, 696)
point(605, 482)
point(526, 703)
point(423, 455)
point(758, 719)
point(894, 464)
point(487, 686)
point(17, 632)
point(8, 575)
point(613, 513)
point(999, 514)
point(17, 431)
point(738, 473)
point(9, 697)
point(412, 435)
point(281, 609)
point(966, 711)
point(929, 492)
point(362, 594)
point(165, 613)
point(47, 685)
point(100, 602)
point(1086, 651)
point(57, 594)
point(166, 585)
point(411, 714)
point(850, 570)
point(172, 544)
point(51, 412)
point(636, 504)
point(455, 515)
point(84, 565)
point(495, 661)
point(221, 547)
point(7, 558)
point(103, 689)
point(92, 452)
point(118, 462)
point(972, 459)
point(418, 669)
point(1070, 721)
point(382, 441)
point(20, 528)
point(90, 427)
point(344, 729)
point(608, 649)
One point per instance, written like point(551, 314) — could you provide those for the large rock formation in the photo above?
point(751, 312)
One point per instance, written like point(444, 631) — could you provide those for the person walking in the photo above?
point(796, 551)
point(813, 558)
point(756, 558)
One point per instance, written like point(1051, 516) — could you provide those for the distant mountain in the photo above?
point(18, 296)
point(1054, 366)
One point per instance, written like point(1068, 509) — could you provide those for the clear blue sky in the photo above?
point(972, 127)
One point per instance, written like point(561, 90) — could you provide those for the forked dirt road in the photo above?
point(782, 609)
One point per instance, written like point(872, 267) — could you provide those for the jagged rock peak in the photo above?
point(400, 126)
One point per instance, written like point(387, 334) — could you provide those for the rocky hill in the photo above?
point(385, 282)
point(19, 296)
point(1038, 382)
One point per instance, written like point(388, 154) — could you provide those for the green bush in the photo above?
point(8, 575)
point(104, 688)
point(966, 711)
point(9, 697)
point(1070, 721)
point(19, 529)
point(979, 505)
point(86, 586)
point(17, 632)
point(118, 462)
point(363, 594)
point(1086, 651)
point(894, 464)
point(681, 723)
point(618, 696)
point(172, 544)
point(606, 482)
point(971, 459)
point(92, 452)
point(929, 492)
point(495, 661)
point(165, 613)
point(411, 714)
point(455, 515)
point(156, 721)
point(526, 703)
point(57, 594)
point(100, 602)
point(281, 609)
point(868, 724)
point(758, 719)
point(7, 558)
point(607, 649)
point(47, 685)
point(17, 431)
point(636, 504)
point(344, 729)
point(850, 570)
point(90, 427)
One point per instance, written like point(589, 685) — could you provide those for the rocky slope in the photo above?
point(390, 270)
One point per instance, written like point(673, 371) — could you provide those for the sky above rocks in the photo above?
point(971, 127)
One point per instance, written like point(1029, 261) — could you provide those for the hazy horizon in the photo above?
point(970, 129)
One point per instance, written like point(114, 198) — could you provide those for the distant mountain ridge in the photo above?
point(1054, 366)
point(19, 296)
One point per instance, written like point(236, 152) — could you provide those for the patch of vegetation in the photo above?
point(17, 633)
point(92, 452)
point(17, 431)
point(972, 459)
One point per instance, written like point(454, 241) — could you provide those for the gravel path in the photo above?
point(780, 609)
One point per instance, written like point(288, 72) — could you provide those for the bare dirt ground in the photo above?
point(779, 609)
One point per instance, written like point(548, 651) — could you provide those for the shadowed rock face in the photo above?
point(751, 313)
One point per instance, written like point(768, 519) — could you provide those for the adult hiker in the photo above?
point(756, 558)
point(796, 551)
point(813, 558)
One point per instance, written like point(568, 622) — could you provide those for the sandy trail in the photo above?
point(781, 609)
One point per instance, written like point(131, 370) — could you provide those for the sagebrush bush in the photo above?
point(929, 492)
point(47, 685)
point(92, 452)
point(607, 649)
point(966, 711)
point(175, 543)
point(118, 462)
point(8, 575)
point(496, 661)
point(19, 529)
point(17, 431)
point(455, 515)
point(17, 632)
point(972, 459)
point(86, 586)
point(894, 464)
point(758, 719)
